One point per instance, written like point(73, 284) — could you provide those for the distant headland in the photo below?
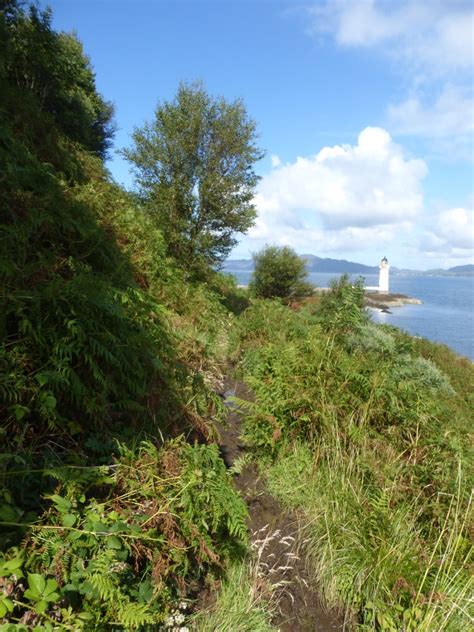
point(341, 266)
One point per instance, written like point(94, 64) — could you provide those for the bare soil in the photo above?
point(274, 537)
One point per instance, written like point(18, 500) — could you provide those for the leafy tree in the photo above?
point(52, 68)
point(279, 273)
point(194, 169)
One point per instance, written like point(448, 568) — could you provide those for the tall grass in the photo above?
point(368, 550)
point(243, 603)
point(367, 438)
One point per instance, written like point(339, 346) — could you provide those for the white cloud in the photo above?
point(276, 162)
point(434, 36)
point(314, 240)
point(342, 197)
point(451, 114)
point(431, 43)
point(452, 233)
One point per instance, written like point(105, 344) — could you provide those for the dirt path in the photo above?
point(274, 537)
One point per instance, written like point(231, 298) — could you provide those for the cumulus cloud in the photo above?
point(432, 45)
point(432, 37)
point(448, 121)
point(451, 114)
point(341, 197)
point(451, 233)
point(310, 240)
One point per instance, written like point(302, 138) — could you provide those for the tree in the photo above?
point(52, 68)
point(194, 169)
point(279, 273)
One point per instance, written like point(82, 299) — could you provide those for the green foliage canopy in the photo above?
point(52, 66)
point(194, 168)
point(279, 273)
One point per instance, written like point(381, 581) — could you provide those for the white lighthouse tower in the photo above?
point(383, 276)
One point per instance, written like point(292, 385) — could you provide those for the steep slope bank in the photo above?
point(114, 506)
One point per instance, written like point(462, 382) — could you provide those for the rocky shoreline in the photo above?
point(380, 300)
point(377, 300)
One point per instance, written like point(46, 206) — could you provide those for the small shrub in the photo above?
point(279, 273)
point(370, 337)
point(121, 543)
point(341, 309)
point(423, 372)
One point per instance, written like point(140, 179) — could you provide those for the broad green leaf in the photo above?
point(8, 567)
point(74, 535)
point(99, 527)
point(49, 402)
point(37, 583)
point(63, 504)
point(113, 542)
point(20, 411)
point(8, 513)
point(85, 616)
point(42, 378)
point(5, 606)
point(51, 585)
point(41, 606)
point(69, 520)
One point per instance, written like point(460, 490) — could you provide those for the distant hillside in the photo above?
point(466, 270)
point(238, 264)
point(313, 264)
point(469, 269)
point(318, 264)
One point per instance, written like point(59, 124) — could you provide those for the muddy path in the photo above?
point(274, 536)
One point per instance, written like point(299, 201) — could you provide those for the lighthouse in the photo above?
point(383, 276)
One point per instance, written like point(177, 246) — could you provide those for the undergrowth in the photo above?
point(243, 603)
point(122, 542)
point(366, 432)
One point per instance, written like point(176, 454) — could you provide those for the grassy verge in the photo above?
point(244, 603)
point(368, 436)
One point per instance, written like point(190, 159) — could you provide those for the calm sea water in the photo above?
point(447, 313)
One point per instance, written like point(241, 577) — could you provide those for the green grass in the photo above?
point(243, 603)
point(366, 431)
point(370, 556)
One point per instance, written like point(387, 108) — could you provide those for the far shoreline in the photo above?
point(372, 299)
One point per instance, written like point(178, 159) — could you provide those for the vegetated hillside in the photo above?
point(313, 264)
point(109, 510)
point(320, 264)
point(115, 504)
point(366, 432)
point(469, 268)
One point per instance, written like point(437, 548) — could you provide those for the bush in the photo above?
point(279, 273)
point(341, 309)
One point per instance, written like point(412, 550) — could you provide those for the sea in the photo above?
point(446, 314)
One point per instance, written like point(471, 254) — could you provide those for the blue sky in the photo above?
point(364, 107)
